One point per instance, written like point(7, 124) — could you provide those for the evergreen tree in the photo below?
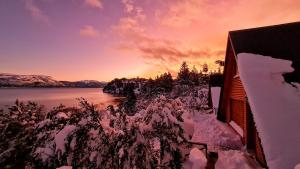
point(194, 76)
point(161, 84)
point(166, 82)
point(184, 74)
point(129, 104)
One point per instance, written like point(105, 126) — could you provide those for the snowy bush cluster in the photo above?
point(83, 137)
point(194, 99)
point(17, 127)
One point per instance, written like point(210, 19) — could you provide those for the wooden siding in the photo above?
point(237, 89)
point(225, 90)
point(237, 112)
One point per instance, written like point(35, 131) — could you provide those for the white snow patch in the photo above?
point(275, 105)
point(93, 155)
point(65, 167)
point(60, 137)
point(297, 166)
point(215, 133)
point(44, 152)
point(234, 159)
point(236, 76)
point(188, 125)
point(215, 95)
point(62, 115)
point(121, 152)
point(43, 123)
point(237, 128)
point(83, 122)
point(197, 158)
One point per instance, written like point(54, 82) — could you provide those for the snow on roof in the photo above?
point(275, 105)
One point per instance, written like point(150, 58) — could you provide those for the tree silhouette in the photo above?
point(194, 76)
point(184, 74)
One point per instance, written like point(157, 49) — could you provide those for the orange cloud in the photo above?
point(89, 31)
point(231, 14)
point(196, 30)
point(159, 51)
point(94, 3)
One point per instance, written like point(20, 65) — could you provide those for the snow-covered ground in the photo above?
point(219, 137)
point(222, 139)
point(215, 95)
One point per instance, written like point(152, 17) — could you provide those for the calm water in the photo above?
point(51, 97)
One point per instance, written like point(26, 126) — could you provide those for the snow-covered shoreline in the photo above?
point(159, 133)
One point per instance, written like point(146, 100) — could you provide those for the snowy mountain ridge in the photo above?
point(14, 80)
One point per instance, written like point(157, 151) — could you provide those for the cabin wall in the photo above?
point(227, 76)
point(233, 106)
point(237, 105)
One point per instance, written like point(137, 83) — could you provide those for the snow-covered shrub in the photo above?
point(194, 99)
point(162, 120)
point(17, 133)
point(70, 136)
point(83, 137)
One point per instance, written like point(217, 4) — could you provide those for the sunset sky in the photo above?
point(104, 39)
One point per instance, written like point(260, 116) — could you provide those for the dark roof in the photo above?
point(278, 41)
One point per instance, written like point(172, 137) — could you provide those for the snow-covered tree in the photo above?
point(17, 126)
point(84, 137)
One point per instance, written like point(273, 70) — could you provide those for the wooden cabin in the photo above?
point(279, 41)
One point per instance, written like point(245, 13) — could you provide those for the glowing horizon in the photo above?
point(104, 39)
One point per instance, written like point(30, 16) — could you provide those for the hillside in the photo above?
point(13, 80)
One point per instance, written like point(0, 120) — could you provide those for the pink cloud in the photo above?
point(133, 10)
point(89, 31)
point(129, 7)
point(36, 12)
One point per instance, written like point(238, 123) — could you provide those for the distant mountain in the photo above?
point(13, 80)
point(84, 83)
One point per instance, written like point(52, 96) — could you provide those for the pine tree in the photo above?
point(184, 74)
point(129, 104)
point(194, 76)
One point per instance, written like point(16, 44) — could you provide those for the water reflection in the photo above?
point(51, 97)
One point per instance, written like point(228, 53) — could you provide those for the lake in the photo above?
point(51, 97)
